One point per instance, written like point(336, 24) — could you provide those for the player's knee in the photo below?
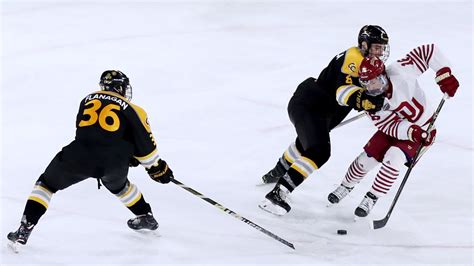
point(43, 181)
point(319, 155)
point(116, 187)
point(396, 157)
point(365, 162)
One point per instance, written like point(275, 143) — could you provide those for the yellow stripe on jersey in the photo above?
point(352, 61)
point(149, 160)
point(344, 92)
point(142, 115)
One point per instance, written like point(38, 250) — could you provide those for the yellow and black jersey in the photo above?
point(340, 78)
point(108, 121)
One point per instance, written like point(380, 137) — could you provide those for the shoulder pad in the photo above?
point(352, 61)
point(142, 115)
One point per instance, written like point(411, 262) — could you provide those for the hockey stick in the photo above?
point(352, 119)
point(386, 106)
point(234, 214)
point(381, 223)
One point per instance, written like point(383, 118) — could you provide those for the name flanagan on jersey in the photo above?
point(107, 97)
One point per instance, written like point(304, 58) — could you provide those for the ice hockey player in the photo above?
point(319, 105)
point(402, 127)
point(111, 135)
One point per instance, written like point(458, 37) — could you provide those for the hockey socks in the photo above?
point(37, 203)
point(298, 172)
point(133, 199)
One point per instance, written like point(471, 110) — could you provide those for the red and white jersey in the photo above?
point(407, 101)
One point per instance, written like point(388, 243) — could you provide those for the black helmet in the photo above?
point(116, 81)
point(373, 34)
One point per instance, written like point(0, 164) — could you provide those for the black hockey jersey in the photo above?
point(106, 121)
point(340, 78)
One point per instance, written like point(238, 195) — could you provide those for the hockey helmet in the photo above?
point(372, 76)
point(374, 34)
point(116, 81)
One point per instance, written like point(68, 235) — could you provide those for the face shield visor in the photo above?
point(375, 86)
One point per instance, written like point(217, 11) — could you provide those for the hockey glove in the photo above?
point(161, 173)
point(133, 162)
point(361, 101)
point(446, 81)
point(421, 136)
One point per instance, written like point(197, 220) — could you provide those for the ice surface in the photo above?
point(215, 78)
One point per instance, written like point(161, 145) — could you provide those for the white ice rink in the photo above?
point(215, 78)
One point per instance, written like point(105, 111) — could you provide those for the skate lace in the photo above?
point(137, 220)
point(367, 204)
point(24, 231)
point(341, 191)
point(283, 193)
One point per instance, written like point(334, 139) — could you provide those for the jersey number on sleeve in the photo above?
point(107, 111)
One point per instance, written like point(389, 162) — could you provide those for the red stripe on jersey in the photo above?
point(393, 129)
point(388, 124)
point(384, 120)
point(419, 52)
point(430, 51)
point(425, 52)
point(417, 61)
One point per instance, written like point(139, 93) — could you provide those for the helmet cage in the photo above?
point(382, 51)
point(375, 86)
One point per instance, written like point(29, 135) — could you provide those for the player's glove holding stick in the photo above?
point(160, 173)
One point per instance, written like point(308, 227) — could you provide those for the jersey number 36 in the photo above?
point(107, 111)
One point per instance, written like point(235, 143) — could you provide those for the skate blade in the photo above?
point(263, 183)
point(147, 232)
point(13, 246)
point(268, 206)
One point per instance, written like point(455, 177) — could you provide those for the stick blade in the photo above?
point(380, 223)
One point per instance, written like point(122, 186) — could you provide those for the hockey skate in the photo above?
point(275, 201)
point(338, 194)
point(274, 175)
point(20, 236)
point(145, 221)
point(366, 205)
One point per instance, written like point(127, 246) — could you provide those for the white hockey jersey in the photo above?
point(407, 101)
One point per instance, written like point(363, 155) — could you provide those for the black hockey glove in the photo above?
point(161, 173)
point(361, 101)
point(133, 162)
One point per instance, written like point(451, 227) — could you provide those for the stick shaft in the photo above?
point(381, 223)
point(234, 214)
